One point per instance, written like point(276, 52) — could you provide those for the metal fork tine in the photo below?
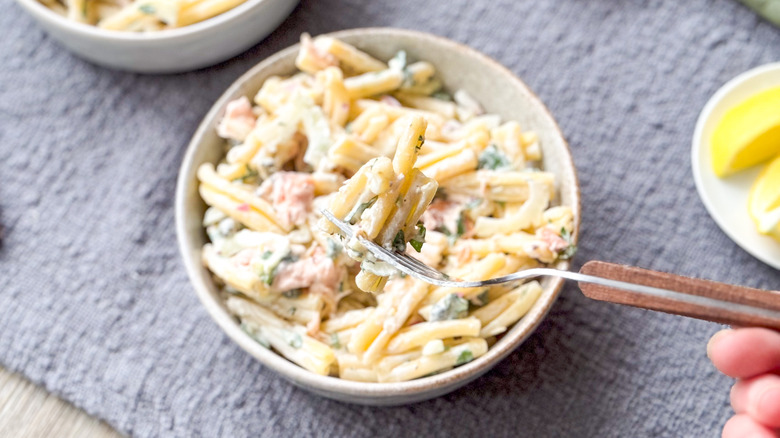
point(401, 261)
point(411, 266)
point(420, 266)
point(343, 226)
point(402, 258)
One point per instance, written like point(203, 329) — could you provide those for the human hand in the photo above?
point(752, 356)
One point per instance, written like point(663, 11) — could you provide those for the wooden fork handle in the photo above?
point(736, 315)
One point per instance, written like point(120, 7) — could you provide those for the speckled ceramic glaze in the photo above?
point(167, 51)
point(459, 67)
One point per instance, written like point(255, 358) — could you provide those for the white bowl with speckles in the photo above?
point(459, 67)
point(166, 51)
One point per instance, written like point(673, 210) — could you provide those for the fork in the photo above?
point(602, 281)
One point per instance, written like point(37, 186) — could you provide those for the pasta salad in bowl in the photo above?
point(158, 36)
point(140, 15)
point(422, 145)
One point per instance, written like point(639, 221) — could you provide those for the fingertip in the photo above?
point(744, 353)
point(767, 407)
point(759, 398)
point(739, 396)
point(714, 340)
point(742, 426)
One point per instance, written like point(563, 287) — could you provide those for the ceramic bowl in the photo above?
point(167, 51)
point(726, 199)
point(459, 67)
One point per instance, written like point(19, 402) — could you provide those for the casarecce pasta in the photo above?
point(382, 146)
point(140, 15)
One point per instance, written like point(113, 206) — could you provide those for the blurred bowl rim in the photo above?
point(424, 387)
point(88, 30)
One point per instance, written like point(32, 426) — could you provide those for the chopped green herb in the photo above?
point(491, 158)
point(461, 225)
point(481, 299)
point(421, 230)
point(213, 232)
point(248, 174)
point(268, 276)
point(420, 141)
point(450, 307)
point(399, 244)
point(146, 9)
point(289, 258)
point(501, 204)
point(440, 194)
point(569, 252)
point(460, 229)
point(334, 249)
point(444, 230)
point(231, 290)
point(399, 201)
point(442, 95)
point(227, 226)
point(293, 310)
point(357, 255)
point(334, 341)
point(259, 339)
point(408, 78)
point(295, 293)
point(474, 203)
point(266, 255)
point(398, 62)
point(294, 339)
point(464, 357)
point(356, 212)
point(419, 239)
point(451, 237)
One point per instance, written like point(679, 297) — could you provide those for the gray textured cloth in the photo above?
point(95, 304)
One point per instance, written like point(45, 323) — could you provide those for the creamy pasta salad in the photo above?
point(384, 147)
point(140, 15)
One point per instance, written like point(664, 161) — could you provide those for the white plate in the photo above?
point(726, 199)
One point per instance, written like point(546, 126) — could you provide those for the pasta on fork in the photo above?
point(383, 146)
point(384, 200)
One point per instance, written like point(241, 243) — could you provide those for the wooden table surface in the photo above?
point(29, 411)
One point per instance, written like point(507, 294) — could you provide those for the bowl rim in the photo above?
point(699, 143)
point(327, 384)
point(90, 31)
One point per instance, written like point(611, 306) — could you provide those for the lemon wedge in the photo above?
point(748, 134)
point(764, 200)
